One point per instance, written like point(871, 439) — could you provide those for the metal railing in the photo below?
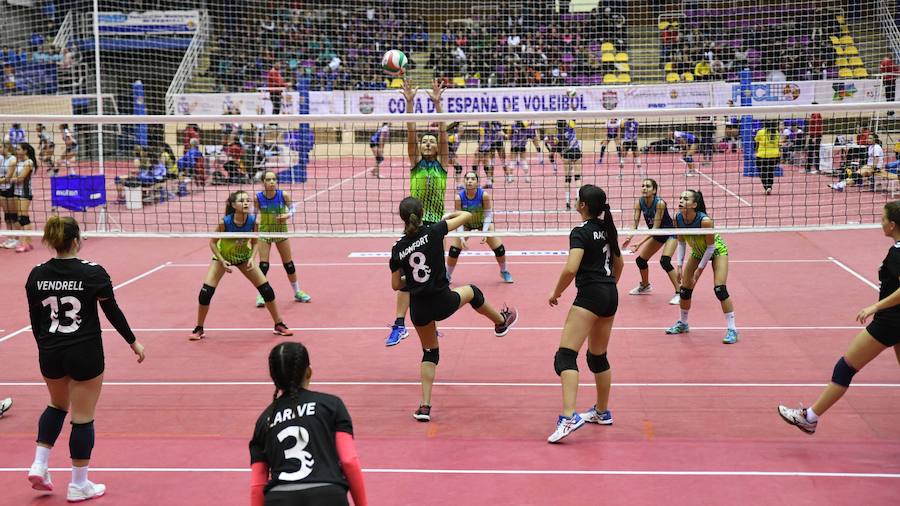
point(188, 63)
point(886, 16)
point(64, 34)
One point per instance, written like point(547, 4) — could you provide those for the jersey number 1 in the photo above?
point(72, 313)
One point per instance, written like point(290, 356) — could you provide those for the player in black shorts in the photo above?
point(882, 333)
point(302, 451)
point(595, 263)
point(417, 264)
point(62, 302)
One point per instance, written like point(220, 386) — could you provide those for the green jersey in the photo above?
point(428, 183)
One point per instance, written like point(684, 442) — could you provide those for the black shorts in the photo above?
point(327, 495)
point(7, 193)
point(629, 146)
point(433, 307)
point(602, 299)
point(497, 146)
point(663, 238)
point(517, 149)
point(611, 137)
point(374, 145)
point(572, 155)
point(885, 330)
point(81, 362)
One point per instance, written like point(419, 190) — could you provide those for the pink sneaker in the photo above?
point(21, 248)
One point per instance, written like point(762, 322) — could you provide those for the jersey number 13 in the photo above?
point(70, 312)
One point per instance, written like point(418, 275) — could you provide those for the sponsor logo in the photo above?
point(366, 104)
point(610, 100)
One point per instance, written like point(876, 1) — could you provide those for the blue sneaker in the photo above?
point(731, 336)
point(679, 328)
point(301, 296)
point(600, 417)
point(398, 333)
point(565, 426)
point(507, 277)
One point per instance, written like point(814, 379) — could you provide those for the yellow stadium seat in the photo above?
point(845, 30)
point(839, 50)
point(608, 58)
point(672, 77)
point(845, 73)
point(663, 25)
point(623, 67)
point(856, 61)
point(687, 76)
point(860, 72)
point(459, 82)
point(395, 83)
point(674, 24)
point(669, 67)
point(840, 19)
point(835, 41)
point(607, 47)
point(624, 78)
point(610, 79)
point(841, 62)
point(622, 57)
point(851, 51)
point(846, 40)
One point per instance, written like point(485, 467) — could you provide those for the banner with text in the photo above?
point(209, 104)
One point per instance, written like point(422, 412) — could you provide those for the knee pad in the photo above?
point(458, 169)
point(843, 373)
point(50, 424)
point(81, 440)
point(686, 293)
point(454, 252)
point(433, 355)
point(641, 263)
point(206, 294)
point(565, 360)
point(721, 292)
point(666, 263)
point(24, 220)
point(568, 179)
point(477, 298)
point(688, 159)
point(266, 291)
point(597, 363)
point(11, 217)
point(264, 267)
point(577, 177)
point(379, 159)
point(499, 251)
point(289, 267)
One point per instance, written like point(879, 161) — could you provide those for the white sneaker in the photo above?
point(88, 491)
point(5, 404)
point(10, 243)
point(797, 418)
point(641, 289)
point(565, 426)
point(39, 476)
point(675, 300)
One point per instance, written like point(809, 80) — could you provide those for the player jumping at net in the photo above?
point(238, 253)
point(478, 202)
point(688, 143)
point(629, 133)
point(302, 450)
point(703, 249)
point(656, 215)
point(427, 182)
point(520, 134)
point(570, 149)
point(417, 265)
point(63, 294)
point(882, 333)
point(376, 144)
point(595, 263)
point(612, 135)
point(275, 209)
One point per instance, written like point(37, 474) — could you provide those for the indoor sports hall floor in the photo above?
point(695, 420)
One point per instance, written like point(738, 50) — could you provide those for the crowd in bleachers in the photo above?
point(35, 69)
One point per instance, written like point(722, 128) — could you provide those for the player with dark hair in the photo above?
point(70, 153)
point(882, 333)
point(521, 132)
point(63, 294)
point(595, 264)
point(656, 215)
point(46, 146)
point(703, 249)
point(26, 164)
point(417, 264)
point(8, 204)
point(570, 148)
point(238, 253)
point(629, 143)
point(613, 126)
point(376, 144)
point(454, 139)
point(302, 450)
point(688, 143)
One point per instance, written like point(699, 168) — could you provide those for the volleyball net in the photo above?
point(836, 167)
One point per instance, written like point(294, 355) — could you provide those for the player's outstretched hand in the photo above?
point(437, 89)
point(138, 350)
point(408, 90)
point(865, 312)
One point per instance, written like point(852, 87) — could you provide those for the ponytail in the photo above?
point(698, 198)
point(612, 234)
point(411, 212)
point(595, 199)
point(60, 233)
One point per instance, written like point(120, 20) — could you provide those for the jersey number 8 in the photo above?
point(421, 271)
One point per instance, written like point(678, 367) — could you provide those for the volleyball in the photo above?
point(572, 93)
point(394, 61)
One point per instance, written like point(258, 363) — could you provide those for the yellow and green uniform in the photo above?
point(428, 183)
point(269, 210)
point(236, 251)
point(698, 242)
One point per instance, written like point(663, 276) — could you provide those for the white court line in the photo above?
point(335, 185)
point(547, 262)
point(116, 287)
point(465, 384)
point(532, 472)
point(518, 328)
point(855, 274)
point(735, 195)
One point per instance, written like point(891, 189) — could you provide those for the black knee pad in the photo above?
point(666, 263)
point(843, 373)
point(266, 291)
point(264, 267)
point(597, 363)
point(454, 252)
point(499, 251)
point(206, 294)
point(289, 267)
point(686, 293)
point(577, 177)
point(50, 424)
point(458, 169)
point(477, 298)
point(568, 179)
point(721, 292)
point(379, 158)
point(11, 217)
point(81, 440)
point(24, 220)
point(641, 263)
point(433, 355)
point(565, 360)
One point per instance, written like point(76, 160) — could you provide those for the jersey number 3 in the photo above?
point(71, 313)
point(296, 451)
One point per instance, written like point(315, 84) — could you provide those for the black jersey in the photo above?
point(889, 276)
point(62, 301)
point(294, 436)
point(421, 256)
point(596, 265)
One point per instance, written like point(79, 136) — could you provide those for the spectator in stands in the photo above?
point(192, 165)
point(276, 85)
point(889, 71)
point(813, 142)
point(9, 78)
